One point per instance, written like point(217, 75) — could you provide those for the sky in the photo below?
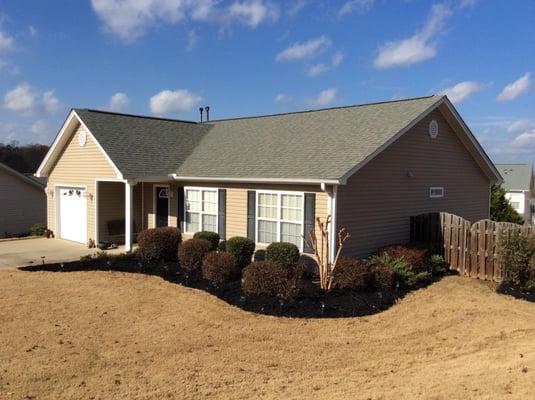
point(253, 57)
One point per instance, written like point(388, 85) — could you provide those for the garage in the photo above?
point(73, 214)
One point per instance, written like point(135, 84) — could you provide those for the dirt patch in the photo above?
point(111, 335)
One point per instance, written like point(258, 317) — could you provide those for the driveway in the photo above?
point(15, 253)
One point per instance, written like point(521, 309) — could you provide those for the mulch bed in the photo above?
point(312, 303)
point(511, 290)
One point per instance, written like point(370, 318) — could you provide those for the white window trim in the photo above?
point(278, 220)
point(436, 196)
point(154, 194)
point(201, 212)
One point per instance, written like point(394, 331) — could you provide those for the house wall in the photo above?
point(524, 204)
point(21, 204)
point(78, 166)
point(377, 202)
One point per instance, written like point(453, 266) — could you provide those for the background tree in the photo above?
point(25, 159)
point(500, 208)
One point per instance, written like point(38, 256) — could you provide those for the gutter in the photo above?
point(286, 181)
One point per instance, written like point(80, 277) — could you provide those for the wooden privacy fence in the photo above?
point(471, 249)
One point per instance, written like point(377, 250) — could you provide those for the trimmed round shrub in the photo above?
point(382, 275)
point(273, 279)
point(352, 274)
point(212, 237)
point(415, 256)
point(437, 265)
point(192, 252)
point(38, 229)
point(219, 267)
point(282, 253)
point(242, 249)
point(159, 244)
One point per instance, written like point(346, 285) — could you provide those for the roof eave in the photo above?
point(286, 181)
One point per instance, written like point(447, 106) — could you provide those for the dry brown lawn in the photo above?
point(100, 335)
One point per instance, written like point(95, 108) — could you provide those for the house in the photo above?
point(370, 166)
point(22, 202)
point(519, 184)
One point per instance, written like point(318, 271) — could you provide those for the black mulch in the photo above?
point(312, 303)
point(511, 290)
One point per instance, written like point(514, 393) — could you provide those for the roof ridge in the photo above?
point(136, 115)
point(327, 108)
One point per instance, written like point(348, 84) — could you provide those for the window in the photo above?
point(515, 205)
point(279, 217)
point(435, 192)
point(201, 210)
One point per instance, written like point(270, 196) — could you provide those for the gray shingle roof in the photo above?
point(320, 144)
point(516, 176)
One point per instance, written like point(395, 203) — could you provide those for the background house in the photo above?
point(22, 201)
point(518, 181)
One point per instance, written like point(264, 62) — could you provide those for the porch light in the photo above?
point(88, 195)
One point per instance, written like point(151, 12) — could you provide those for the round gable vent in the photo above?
point(433, 129)
point(82, 138)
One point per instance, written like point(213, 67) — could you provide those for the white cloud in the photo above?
point(519, 125)
point(282, 98)
point(118, 102)
point(40, 127)
point(6, 42)
point(302, 50)
point(318, 69)
point(168, 101)
point(253, 12)
point(326, 97)
point(468, 3)
point(26, 101)
point(516, 88)
point(296, 7)
point(355, 6)
point(462, 90)
point(522, 144)
point(33, 31)
point(417, 48)
point(193, 39)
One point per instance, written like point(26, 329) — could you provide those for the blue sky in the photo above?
point(250, 57)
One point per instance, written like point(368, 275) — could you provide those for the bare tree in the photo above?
point(320, 249)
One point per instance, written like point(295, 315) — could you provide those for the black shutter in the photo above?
point(180, 212)
point(222, 214)
point(251, 214)
point(308, 222)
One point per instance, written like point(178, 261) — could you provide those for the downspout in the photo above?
point(142, 205)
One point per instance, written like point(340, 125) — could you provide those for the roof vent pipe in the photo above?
point(207, 109)
point(201, 110)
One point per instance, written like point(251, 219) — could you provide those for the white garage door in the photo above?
point(73, 214)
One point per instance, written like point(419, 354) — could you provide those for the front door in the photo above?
point(162, 205)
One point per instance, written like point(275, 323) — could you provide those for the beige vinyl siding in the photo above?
point(78, 166)
point(377, 202)
point(21, 204)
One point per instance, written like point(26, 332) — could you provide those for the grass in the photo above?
point(106, 335)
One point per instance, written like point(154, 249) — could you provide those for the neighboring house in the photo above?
point(370, 166)
point(22, 201)
point(519, 184)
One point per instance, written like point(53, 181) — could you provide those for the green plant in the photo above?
point(273, 279)
point(241, 249)
point(159, 244)
point(437, 265)
point(212, 237)
point(414, 255)
point(192, 252)
point(38, 229)
point(282, 253)
point(518, 258)
point(352, 274)
point(382, 275)
point(219, 267)
point(403, 272)
point(500, 208)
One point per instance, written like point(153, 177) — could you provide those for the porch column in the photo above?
point(128, 215)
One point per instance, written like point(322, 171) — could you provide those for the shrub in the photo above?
point(241, 249)
point(219, 267)
point(414, 255)
point(38, 229)
point(192, 252)
point(382, 273)
point(282, 253)
point(273, 279)
point(404, 274)
point(518, 258)
point(159, 244)
point(437, 265)
point(212, 237)
point(352, 274)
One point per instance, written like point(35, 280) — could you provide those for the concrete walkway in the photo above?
point(16, 253)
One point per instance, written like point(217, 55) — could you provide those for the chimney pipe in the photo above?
point(201, 110)
point(207, 109)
